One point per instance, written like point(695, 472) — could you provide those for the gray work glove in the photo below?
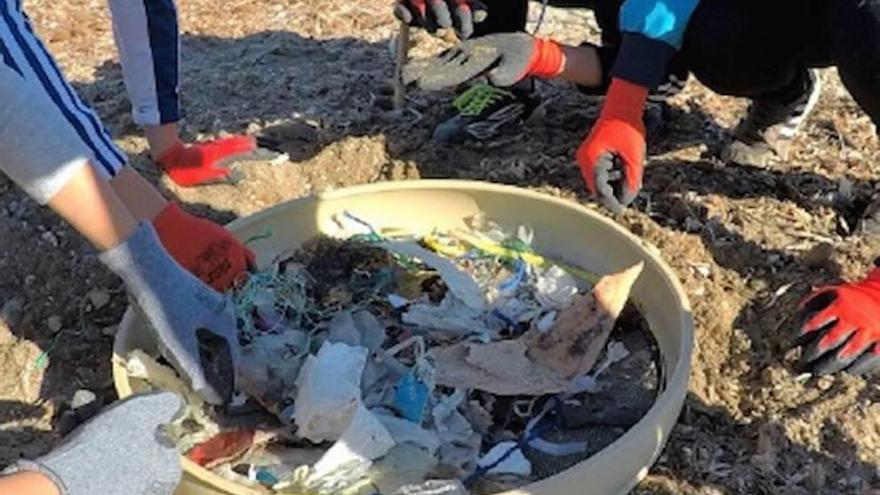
point(119, 452)
point(195, 326)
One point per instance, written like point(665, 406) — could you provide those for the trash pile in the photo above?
point(382, 362)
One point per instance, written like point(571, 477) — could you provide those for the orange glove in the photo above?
point(203, 163)
point(613, 155)
point(206, 249)
point(840, 327)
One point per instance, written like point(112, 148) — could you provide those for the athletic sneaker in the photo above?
point(483, 112)
point(769, 127)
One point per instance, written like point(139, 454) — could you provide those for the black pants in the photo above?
point(759, 49)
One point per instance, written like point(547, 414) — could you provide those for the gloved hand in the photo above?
point(195, 327)
point(206, 249)
point(119, 452)
point(839, 326)
point(204, 163)
point(505, 58)
point(436, 14)
point(613, 155)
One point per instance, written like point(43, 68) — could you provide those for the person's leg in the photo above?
point(763, 57)
point(147, 37)
point(25, 53)
point(854, 27)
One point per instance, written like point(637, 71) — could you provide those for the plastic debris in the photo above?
point(506, 458)
point(411, 398)
point(450, 316)
point(403, 431)
point(354, 345)
point(459, 283)
point(222, 447)
point(360, 328)
point(555, 288)
point(270, 366)
point(581, 331)
point(460, 444)
point(329, 391)
point(397, 301)
point(364, 440)
point(434, 487)
point(500, 368)
point(405, 464)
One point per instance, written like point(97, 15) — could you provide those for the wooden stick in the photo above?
point(400, 61)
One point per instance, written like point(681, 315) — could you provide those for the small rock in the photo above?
point(691, 224)
point(54, 323)
point(85, 404)
point(50, 238)
point(13, 311)
point(825, 382)
point(819, 255)
point(99, 298)
point(30, 280)
point(110, 331)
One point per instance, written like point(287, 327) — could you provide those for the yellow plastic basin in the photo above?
point(562, 230)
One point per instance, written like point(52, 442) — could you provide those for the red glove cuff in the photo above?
point(625, 101)
point(548, 59)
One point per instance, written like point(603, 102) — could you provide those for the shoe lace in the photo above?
point(477, 98)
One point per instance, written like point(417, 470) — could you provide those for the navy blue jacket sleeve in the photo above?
point(653, 32)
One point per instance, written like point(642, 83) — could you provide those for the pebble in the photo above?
point(85, 404)
point(110, 331)
point(99, 298)
point(13, 311)
point(50, 238)
point(54, 323)
point(819, 255)
point(30, 280)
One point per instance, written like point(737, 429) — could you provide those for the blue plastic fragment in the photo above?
point(411, 398)
point(265, 478)
point(510, 285)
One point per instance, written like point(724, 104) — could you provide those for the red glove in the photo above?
point(206, 249)
point(203, 163)
point(616, 145)
point(840, 327)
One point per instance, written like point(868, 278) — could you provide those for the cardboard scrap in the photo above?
point(580, 332)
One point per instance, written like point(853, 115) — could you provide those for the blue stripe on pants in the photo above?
point(164, 43)
point(7, 58)
point(50, 90)
point(99, 129)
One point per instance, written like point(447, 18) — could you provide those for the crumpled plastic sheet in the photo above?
point(460, 444)
point(506, 458)
point(451, 316)
point(359, 328)
point(329, 391)
point(434, 487)
point(403, 431)
point(460, 283)
point(364, 440)
point(270, 366)
point(554, 287)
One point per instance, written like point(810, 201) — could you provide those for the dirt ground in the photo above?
point(747, 243)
